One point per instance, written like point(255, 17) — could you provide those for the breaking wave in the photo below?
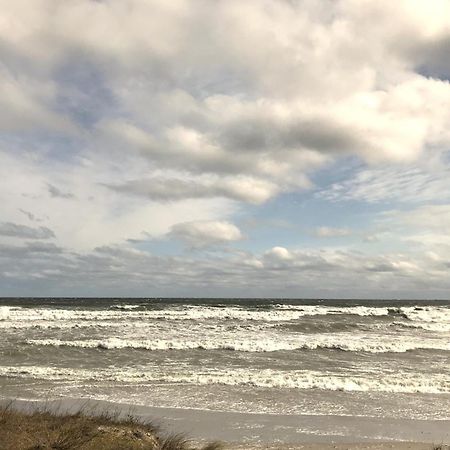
point(276, 313)
point(399, 382)
point(343, 342)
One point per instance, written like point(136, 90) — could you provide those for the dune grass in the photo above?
point(45, 430)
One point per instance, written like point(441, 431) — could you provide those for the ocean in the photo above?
point(361, 358)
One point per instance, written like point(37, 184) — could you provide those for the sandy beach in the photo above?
point(267, 431)
point(343, 446)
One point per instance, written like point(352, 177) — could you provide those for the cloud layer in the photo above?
point(163, 122)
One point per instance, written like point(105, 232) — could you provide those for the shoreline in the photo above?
point(266, 431)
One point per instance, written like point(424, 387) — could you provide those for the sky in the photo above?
point(217, 148)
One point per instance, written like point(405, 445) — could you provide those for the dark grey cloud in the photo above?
point(25, 232)
point(58, 193)
point(381, 267)
point(43, 248)
point(431, 58)
point(30, 250)
point(270, 134)
point(163, 189)
point(122, 270)
point(172, 189)
point(29, 215)
point(83, 91)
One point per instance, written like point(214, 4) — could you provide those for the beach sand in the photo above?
point(269, 431)
point(344, 446)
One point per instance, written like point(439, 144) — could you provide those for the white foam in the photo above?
point(276, 313)
point(246, 342)
point(125, 307)
point(429, 314)
point(329, 310)
point(402, 382)
point(121, 312)
point(5, 312)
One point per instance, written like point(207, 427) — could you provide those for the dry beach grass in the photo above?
point(44, 430)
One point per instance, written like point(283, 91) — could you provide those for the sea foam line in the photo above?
point(276, 313)
point(399, 382)
point(343, 341)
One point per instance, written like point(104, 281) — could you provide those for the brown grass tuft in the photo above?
point(174, 442)
point(216, 445)
point(43, 430)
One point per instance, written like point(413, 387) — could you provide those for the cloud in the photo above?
point(434, 217)
point(429, 181)
point(279, 253)
point(245, 189)
point(42, 248)
point(425, 226)
point(135, 128)
point(332, 232)
point(259, 110)
point(190, 152)
point(31, 217)
point(95, 215)
point(26, 105)
point(205, 233)
point(55, 192)
point(124, 270)
point(23, 231)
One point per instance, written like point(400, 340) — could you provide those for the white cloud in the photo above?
point(200, 234)
point(427, 182)
point(279, 253)
point(432, 217)
point(93, 215)
point(327, 82)
point(165, 118)
point(426, 227)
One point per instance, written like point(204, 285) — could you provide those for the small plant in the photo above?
point(174, 442)
point(84, 430)
point(216, 445)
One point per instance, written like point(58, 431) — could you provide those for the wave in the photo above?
point(192, 312)
point(430, 314)
point(50, 325)
point(428, 326)
point(121, 312)
point(402, 382)
point(343, 342)
point(126, 307)
point(328, 310)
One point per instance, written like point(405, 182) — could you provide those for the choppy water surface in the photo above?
point(365, 358)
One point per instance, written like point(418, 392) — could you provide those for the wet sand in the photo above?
point(269, 431)
point(348, 446)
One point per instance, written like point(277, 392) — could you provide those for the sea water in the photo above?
point(318, 357)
